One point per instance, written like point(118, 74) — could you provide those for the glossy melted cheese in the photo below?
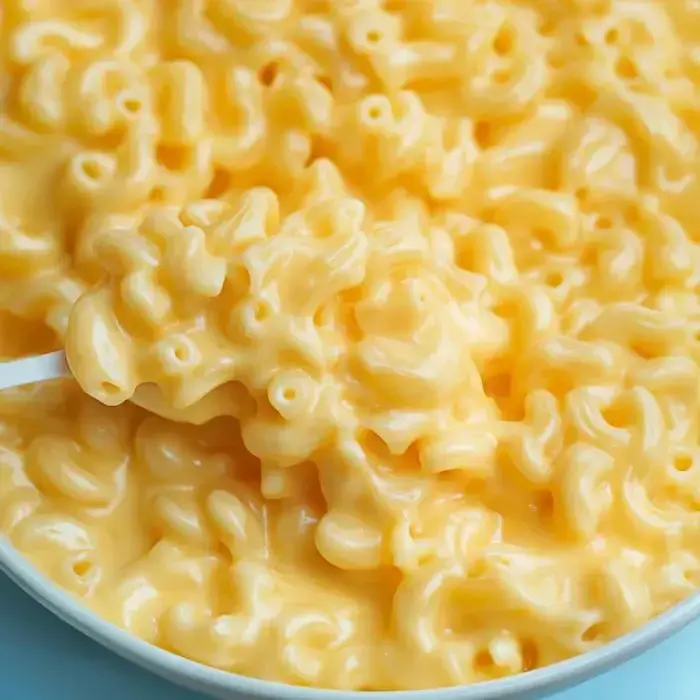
point(433, 267)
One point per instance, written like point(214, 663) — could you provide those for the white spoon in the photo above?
point(53, 365)
point(29, 370)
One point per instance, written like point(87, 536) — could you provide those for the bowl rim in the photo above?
point(199, 677)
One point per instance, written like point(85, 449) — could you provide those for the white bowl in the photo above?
point(230, 686)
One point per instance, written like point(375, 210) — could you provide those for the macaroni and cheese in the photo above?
point(431, 268)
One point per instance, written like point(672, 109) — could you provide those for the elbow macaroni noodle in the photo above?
point(430, 268)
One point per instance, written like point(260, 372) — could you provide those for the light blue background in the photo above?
point(43, 659)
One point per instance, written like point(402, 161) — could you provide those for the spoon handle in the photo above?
point(40, 368)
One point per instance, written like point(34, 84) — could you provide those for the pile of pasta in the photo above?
point(434, 267)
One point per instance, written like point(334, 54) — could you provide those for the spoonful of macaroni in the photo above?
point(199, 310)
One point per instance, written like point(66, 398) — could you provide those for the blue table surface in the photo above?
point(41, 658)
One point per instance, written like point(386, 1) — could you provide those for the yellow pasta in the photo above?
point(420, 279)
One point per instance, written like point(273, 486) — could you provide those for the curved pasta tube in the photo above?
point(596, 155)
point(521, 74)
point(252, 18)
point(103, 364)
point(523, 155)
point(304, 101)
point(138, 600)
point(257, 218)
point(19, 498)
point(652, 331)
point(320, 182)
point(626, 593)
point(195, 33)
point(132, 29)
point(36, 39)
point(224, 641)
point(534, 447)
point(488, 250)
point(170, 457)
point(23, 251)
point(393, 133)
point(416, 604)
point(585, 412)
point(586, 492)
point(620, 263)
point(41, 97)
point(301, 423)
point(676, 578)
point(349, 543)
point(241, 530)
point(650, 521)
point(49, 297)
point(470, 449)
point(244, 99)
point(72, 553)
point(55, 463)
point(185, 97)
point(674, 257)
point(554, 215)
point(451, 162)
point(110, 93)
point(307, 637)
point(452, 532)
point(669, 139)
point(560, 360)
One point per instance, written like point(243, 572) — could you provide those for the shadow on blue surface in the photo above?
point(43, 659)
